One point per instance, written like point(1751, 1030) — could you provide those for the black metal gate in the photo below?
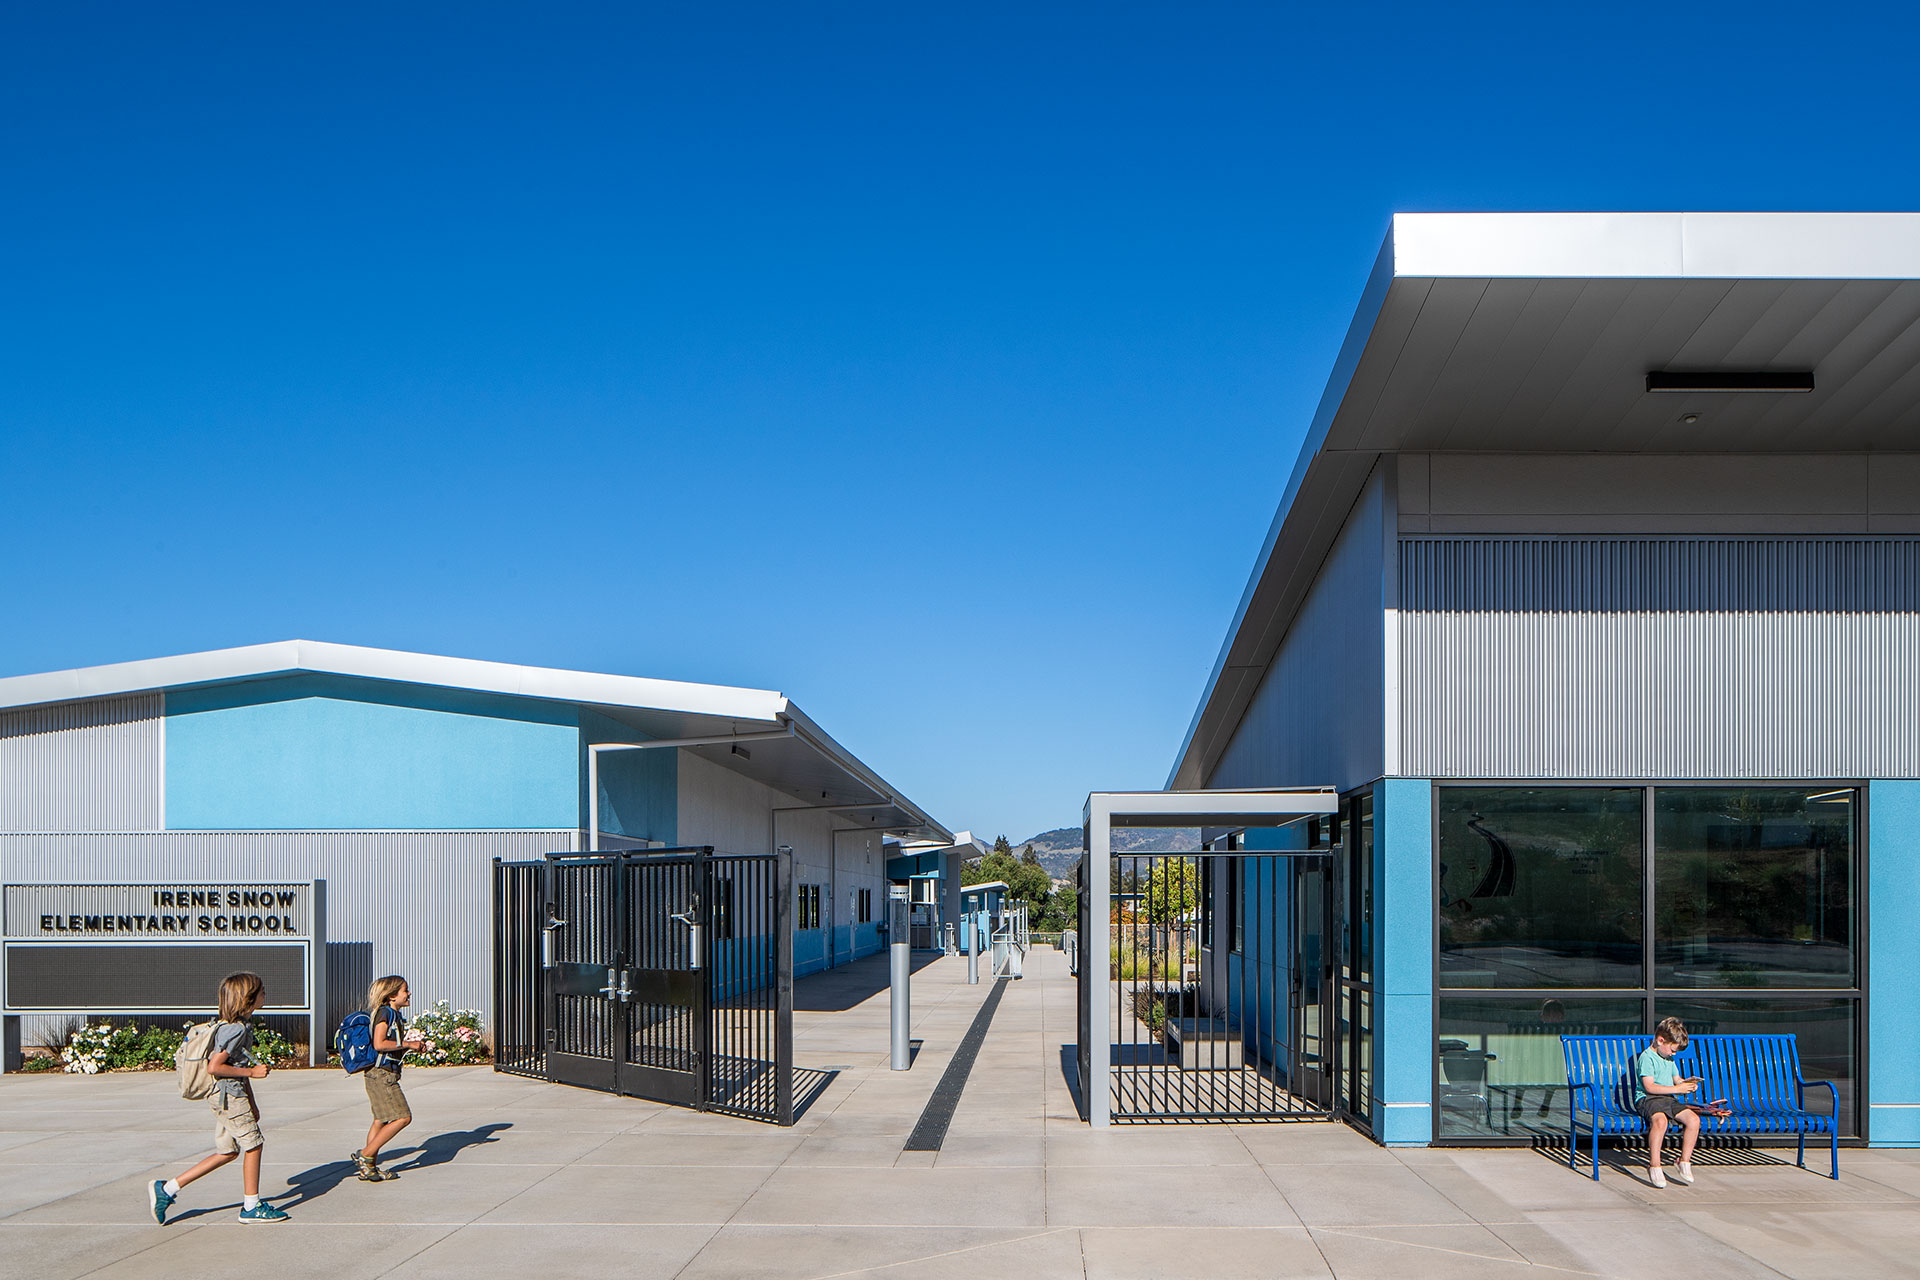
point(663, 974)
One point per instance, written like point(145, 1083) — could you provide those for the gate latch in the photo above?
point(546, 938)
point(696, 938)
point(609, 991)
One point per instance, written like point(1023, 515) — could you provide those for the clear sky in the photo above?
point(938, 366)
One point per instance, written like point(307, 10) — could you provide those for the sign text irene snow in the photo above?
point(217, 922)
point(157, 911)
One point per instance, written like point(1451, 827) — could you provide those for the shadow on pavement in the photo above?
point(808, 1085)
point(837, 990)
point(1070, 1072)
point(442, 1147)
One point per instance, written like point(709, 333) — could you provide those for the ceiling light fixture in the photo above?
point(1735, 380)
point(1689, 418)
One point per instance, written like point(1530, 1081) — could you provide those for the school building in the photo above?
point(1595, 595)
point(397, 778)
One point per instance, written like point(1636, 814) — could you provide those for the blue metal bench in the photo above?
point(1759, 1076)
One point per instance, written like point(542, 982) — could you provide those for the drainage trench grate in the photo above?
point(931, 1130)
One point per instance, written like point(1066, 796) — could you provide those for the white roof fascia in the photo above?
point(288, 657)
point(1657, 246)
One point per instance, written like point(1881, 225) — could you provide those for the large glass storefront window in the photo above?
point(1599, 910)
point(1541, 887)
point(1753, 887)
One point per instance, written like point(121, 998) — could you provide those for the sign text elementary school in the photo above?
point(158, 911)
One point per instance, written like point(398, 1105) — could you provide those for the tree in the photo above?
point(1173, 890)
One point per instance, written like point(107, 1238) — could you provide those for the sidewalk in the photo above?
point(521, 1177)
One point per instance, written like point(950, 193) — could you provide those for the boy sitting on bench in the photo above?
point(1657, 1089)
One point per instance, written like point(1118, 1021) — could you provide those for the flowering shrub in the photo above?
point(447, 1037)
point(270, 1047)
point(103, 1046)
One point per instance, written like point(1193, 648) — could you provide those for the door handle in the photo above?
point(610, 991)
point(546, 940)
point(696, 938)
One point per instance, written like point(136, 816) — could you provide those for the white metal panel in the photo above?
point(1660, 657)
point(1786, 246)
point(83, 766)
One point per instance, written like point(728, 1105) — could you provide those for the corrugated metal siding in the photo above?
point(83, 766)
point(1658, 657)
point(414, 903)
point(1317, 717)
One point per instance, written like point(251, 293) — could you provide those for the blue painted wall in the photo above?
point(1893, 959)
point(1259, 977)
point(330, 753)
point(639, 790)
point(1403, 968)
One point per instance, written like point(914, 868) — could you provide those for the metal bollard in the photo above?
point(902, 977)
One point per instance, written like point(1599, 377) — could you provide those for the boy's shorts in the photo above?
point(383, 1091)
point(1660, 1104)
point(236, 1126)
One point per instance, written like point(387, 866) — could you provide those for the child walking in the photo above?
point(385, 999)
point(236, 1115)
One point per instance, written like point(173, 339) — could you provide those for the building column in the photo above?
point(1893, 963)
point(1403, 930)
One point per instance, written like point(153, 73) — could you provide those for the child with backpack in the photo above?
point(236, 1115)
point(385, 999)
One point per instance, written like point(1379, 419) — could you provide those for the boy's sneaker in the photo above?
point(1683, 1174)
point(1657, 1178)
point(159, 1201)
point(263, 1212)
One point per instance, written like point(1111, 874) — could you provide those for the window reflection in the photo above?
point(1540, 887)
point(1822, 1027)
point(1753, 887)
point(1501, 1069)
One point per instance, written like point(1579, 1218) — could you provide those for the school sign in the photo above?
point(161, 949)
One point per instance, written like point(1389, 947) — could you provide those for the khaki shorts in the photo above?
point(236, 1126)
point(383, 1091)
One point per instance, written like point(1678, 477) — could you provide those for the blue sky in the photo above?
point(940, 367)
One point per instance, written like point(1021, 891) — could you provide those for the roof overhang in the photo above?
point(1232, 810)
point(1497, 333)
point(806, 763)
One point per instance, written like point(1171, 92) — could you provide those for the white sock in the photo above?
point(172, 1188)
point(249, 1202)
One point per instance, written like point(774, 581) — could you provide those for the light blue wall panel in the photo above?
point(1893, 957)
point(324, 753)
point(639, 790)
point(1403, 908)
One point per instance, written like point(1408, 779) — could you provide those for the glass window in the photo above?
point(1501, 1071)
point(1540, 887)
point(1823, 1028)
point(1753, 887)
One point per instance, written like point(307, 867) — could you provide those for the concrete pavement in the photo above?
point(514, 1177)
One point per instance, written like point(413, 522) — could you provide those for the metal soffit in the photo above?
point(1536, 332)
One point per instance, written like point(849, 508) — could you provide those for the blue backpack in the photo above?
point(354, 1041)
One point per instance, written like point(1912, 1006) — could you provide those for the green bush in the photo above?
point(126, 1046)
point(41, 1062)
point(270, 1047)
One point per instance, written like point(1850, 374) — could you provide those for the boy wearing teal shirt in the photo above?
point(1658, 1087)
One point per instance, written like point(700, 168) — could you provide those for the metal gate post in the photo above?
point(783, 985)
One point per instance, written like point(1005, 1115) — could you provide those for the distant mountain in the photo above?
point(1059, 849)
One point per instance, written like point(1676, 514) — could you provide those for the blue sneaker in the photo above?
point(263, 1212)
point(159, 1201)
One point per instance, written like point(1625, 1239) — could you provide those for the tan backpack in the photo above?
point(190, 1060)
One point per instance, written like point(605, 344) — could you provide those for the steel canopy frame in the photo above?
point(1106, 810)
